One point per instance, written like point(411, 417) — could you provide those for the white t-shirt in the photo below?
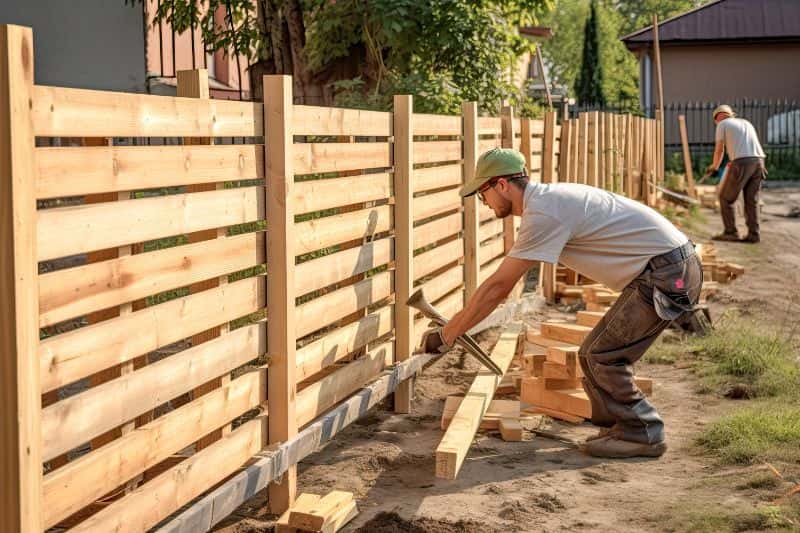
point(602, 235)
point(740, 138)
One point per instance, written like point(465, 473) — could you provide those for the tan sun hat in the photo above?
point(493, 163)
point(724, 108)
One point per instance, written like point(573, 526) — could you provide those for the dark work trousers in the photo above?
point(744, 174)
point(623, 336)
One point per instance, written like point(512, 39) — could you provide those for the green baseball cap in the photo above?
point(495, 162)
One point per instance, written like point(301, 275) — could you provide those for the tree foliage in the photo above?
point(589, 87)
point(615, 19)
point(361, 52)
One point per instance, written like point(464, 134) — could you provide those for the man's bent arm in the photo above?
point(487, 297)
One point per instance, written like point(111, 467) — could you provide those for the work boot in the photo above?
point(604, 432)
point(727, 237)
point(750, 238)
point(611, 446)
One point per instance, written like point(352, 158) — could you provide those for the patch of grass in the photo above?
point(768, 431)
point(715, 519)
point(748, 355)
point(664, 353)
point(760, 480)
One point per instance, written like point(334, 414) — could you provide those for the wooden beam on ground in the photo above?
point(571, 401)
point(273, 463)
point(571, 333)
point(321, 515)
point(453, 448)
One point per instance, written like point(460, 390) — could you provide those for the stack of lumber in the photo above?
point(569, 285)
point(553, 384)
point(599, 297)
point(714, 269)
point(707, 194)
point(312, 512)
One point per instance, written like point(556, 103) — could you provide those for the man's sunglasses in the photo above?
point(485, 187)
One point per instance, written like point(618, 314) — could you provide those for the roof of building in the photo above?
point(726, 20)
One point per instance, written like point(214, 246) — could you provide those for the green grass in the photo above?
point(758, 360)
point(725, 519)
point(766, 431)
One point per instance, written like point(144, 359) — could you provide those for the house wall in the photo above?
point(724, 73)
point(89, 44)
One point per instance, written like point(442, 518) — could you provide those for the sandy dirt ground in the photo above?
point(387, 460)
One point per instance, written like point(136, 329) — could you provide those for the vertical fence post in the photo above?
point(583, 148)
point(647, 164)
point(525, 143)
point(194, 84)
point(403, 233)
point(628, 157)
point(591, 162)
point(565, 146)
point(20, 394)
point(601, 149)
point(281, 330)
point(507, 141)
point(609, 151)
point(469, 112)
point(547, 274)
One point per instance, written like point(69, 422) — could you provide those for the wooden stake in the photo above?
point(507, 141)
point(687, 158)
point(403, 241)
point(20, 394)
point(582, 154)
point(281, 344)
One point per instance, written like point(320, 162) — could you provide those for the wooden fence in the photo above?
point(216, 299)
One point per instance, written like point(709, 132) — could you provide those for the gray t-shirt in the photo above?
point(602, 235)
point(740, 138)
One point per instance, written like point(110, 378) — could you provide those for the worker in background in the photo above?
point(612, 240)
point(745, 172)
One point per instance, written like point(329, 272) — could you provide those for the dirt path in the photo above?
point(541, 485)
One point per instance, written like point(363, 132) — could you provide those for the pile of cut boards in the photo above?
point(570, 285)
point(552, 380)
point(312, 512)
point(714, 269)
point(707, 194)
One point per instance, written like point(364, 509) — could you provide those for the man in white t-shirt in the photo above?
point(613, 240)
point(744, 173)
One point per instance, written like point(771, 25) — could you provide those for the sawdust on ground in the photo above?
point(387, 460)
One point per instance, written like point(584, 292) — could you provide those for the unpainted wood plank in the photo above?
point(444, 125)
point(313, 158)
point(340, 266)
point(336, 121)
point(303, 502)
point(432, 260)
point(511, 429)
point(65, 112)
point(322, 512)
point(319, 233)
point(572, 401)
point(436, 204)
point(571, 333)
point(437, 177)
point(453, 448)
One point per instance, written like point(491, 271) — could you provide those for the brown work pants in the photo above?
point(621, 338)
point(744, 174)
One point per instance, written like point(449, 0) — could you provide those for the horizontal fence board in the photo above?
point(489, 268)
point(424, 124)
point(485, 212)
point(536, 162)
point(492, 228)
point(436, 230)
point(315, 195)
point(73, 230)
point(323, 232)
point(317, 398)
point(337, 121)
point(329, 269)
point(436, 151)
point(437, 177)
point(517, 144)
point(80, 353)
point(313, 158)
point(484, 145)
point(489, 125)
point(537, 127)
point(537, 144)
point(73, 292)
point(335, 305)
point(79, 418)
point(63, 112)
point(442, 284)
point(91, 476)
point(160, 497)
point(432, 260)
point(436, 204)
point(329, 349)
point(76, 171)
point(491, 249)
